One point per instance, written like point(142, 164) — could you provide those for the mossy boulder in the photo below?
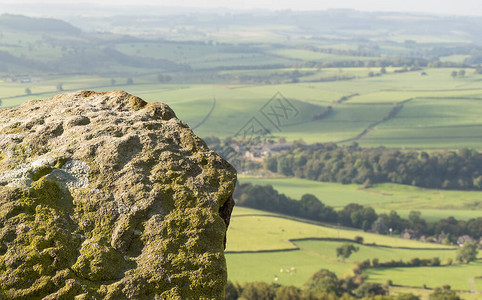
point(104, 196)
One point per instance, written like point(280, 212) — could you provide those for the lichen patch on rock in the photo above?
point(74, 174)
point(104, 196)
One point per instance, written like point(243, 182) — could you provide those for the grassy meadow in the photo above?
point(433, 204)
point(456, 275)
point(269, 247)
point(222, 77)
point(429, 117)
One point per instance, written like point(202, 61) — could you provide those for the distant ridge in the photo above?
point(23, 23)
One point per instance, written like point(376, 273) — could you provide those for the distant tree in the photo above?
point(363, 218)
point(467, 253)
point(288, 293)
point(383, 70)
point(444, 293)
point(311, 206)
point(474, 226)
point(346, 215)
point(435, 261)
point(416, 222)
point(112, 81)
point(371, 74)
point(232, 291)
point(60, 87)
point(28, 91)
point(477, 182)
point(408, 296)
point(258, 291)
point(346, 250)
point(415, 262)
point(285, 166)
point(369, 289)
point(324, 281)
point(129, 81)
point(453, 74)
point(163, 78)
point(375, 262)
point(359, 239)
point(462, 73)
point(379, 226)
point(396, 223)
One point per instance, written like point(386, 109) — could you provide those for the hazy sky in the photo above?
point(450, 7)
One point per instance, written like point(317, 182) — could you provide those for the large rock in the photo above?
point(103, 196)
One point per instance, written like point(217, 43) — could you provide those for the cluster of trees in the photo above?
point(414, 262)
point(271, 78)
point(354, 215)
point(407, 63)
point(366, 50)
point(280, 76)
point(325, 285)
point(460, 73)
point(329, 162)
point(163, 78)
point(268, 199)
point(467, 253)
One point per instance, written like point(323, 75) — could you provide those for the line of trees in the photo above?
point(408, 63)
point(328, 162)
point(325, 285)
point(322, 285)
point(355, 215)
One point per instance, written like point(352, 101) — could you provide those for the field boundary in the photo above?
point(206, 117)
point(398, 107)
point(263, 251)
point(298, 248)
point(368, 245)
point(333, 227)
point(306, 221)
point(274, 215)
point(450, 98)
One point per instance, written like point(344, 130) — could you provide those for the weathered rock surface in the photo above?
point(103, 196)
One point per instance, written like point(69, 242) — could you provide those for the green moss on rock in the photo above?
point(136, 208)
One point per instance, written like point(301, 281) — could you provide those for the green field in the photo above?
point(224, 71)
point(433, 118)
point(457, 276)
point(264, 246)
point(314, 56)
point(258, 231)
point(424, 293)
point(433, 204)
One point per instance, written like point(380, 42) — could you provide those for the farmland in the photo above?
point(428, 118)
point(401, 104)
point(265, 246)
point(433, 204)
point(384, 85)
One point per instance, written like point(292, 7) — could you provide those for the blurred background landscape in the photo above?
point(347, 127)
